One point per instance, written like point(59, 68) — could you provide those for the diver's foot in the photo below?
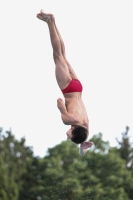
point(45, 17)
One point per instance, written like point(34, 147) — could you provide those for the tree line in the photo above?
point(104, 173)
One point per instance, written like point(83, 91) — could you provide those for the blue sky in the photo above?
point(98, 36)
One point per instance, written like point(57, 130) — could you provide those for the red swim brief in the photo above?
point(74, 86)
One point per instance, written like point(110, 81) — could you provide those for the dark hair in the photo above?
point(79, 134)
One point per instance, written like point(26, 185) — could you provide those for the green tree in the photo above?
point(126, 149)
point(3, 181)
point(8, 187)
point(100, 146)
point(63, 174)
point(16, 157)
point(61, 179)
point(32, 181)
point(99, 175)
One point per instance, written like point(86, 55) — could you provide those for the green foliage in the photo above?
point(32, 182)
point(126, 149)
point(100, 146)
point(16, 157)
point(3, 181)
point(63, 174)
point(95, 176)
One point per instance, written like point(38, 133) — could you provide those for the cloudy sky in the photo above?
point(98, 36)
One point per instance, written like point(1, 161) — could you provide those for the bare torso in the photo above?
point(75, 105)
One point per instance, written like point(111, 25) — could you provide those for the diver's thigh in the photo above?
point(62, 73)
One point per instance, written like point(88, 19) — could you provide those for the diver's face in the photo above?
point(69, 133)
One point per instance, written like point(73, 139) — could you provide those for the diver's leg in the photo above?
point(71, 71)
point(62, 71)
